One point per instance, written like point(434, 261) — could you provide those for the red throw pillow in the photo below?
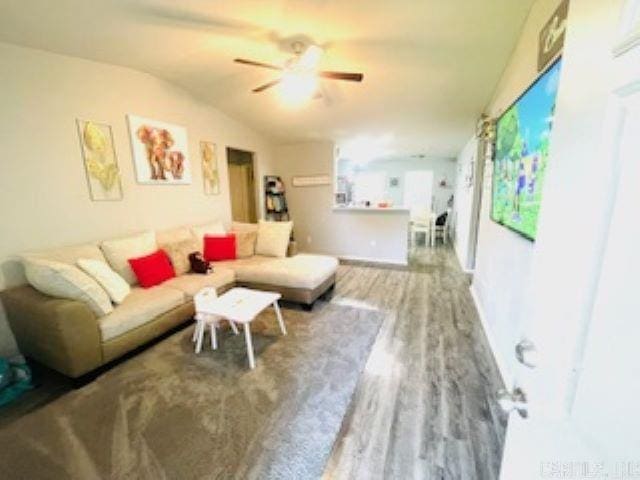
point(152, 269)
point(219, 247)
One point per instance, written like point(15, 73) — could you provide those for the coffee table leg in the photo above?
point(276, 307)
point(200, 330)
point(195, 331)
point(247, 336)
point(214, 336)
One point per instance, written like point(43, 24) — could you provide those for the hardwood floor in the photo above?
point(425, 405)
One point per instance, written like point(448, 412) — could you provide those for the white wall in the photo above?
point(502, 279)
point(463, 202)
point(579, 193)
point(320, 229)
point(44, 200)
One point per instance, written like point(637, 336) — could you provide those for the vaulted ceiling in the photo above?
point(430, 66)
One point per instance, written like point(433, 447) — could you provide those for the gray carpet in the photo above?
point(169, 414)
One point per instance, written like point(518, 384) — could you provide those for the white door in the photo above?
point(418, 192)
point(584, 393)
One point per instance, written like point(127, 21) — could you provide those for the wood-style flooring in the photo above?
point(425, 405)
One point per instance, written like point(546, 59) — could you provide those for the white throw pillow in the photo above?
point(66, 281)
point(273, 238)
point(213, 228)
point(119, 251)
point(110, 281)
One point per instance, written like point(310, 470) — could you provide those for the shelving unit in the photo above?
point(275, 199)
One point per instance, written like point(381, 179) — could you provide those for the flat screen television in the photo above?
point(521, 155)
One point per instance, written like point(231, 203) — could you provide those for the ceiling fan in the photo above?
point(301, 70)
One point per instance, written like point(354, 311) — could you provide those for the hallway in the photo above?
point(425, 405)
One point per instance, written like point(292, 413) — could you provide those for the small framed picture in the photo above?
point(311, 181)
point(100, 162)
point(210, 174)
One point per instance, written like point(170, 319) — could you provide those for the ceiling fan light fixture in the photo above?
point(310, 58)
point(297, 87)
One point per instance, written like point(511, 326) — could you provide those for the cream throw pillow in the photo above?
point(213, 228)
point(245, 244)
point(244, 227)
point(66, 281)
point(110, 281)
point(179, 254)
point(119, 251)
point(273, 238)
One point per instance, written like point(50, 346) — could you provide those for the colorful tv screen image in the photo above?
point(522, 153)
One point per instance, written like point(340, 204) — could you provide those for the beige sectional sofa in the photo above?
point(69, 337)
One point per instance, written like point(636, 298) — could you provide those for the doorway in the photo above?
point(242, 188)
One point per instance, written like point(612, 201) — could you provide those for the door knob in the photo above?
point(527, 353)
point(516, 400)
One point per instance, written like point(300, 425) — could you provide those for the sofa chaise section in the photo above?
point(301, 278)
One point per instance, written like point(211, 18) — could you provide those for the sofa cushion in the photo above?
point(245, 243)
point(173, 235)
point(301, 271)
point(142, 305)
point(112, 283)
point(179, 253)
point(244, 227)
point(152, 269)
point(273, 238)
point(120, 250)
point(213, 228)
point(219, 247)
point(192, 283)
point(70, 254)
point(66, 281)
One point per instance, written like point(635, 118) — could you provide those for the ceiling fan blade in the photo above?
point(352, 77)
point(265, 86)
point(256, 64)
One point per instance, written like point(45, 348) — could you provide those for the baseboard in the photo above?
point(505, 372)
point(384, 261)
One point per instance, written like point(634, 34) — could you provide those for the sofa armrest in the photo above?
point(62, 334)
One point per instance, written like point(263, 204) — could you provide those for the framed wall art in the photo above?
point(160, 152)
point(311, 180)
point(210, 173)
point(100, 162)
point(521, 155)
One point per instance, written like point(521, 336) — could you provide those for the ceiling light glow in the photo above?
point(297, 87)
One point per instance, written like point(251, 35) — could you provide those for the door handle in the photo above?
point(515, 400)
point(527, 353)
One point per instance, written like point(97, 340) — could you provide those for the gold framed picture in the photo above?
point(100, 162)
point(210, 173)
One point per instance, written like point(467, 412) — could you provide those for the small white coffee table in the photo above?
point(242, 305)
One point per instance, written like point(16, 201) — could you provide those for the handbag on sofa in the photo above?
point(199, 264)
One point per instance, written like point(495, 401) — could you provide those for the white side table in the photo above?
point(242, 305)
